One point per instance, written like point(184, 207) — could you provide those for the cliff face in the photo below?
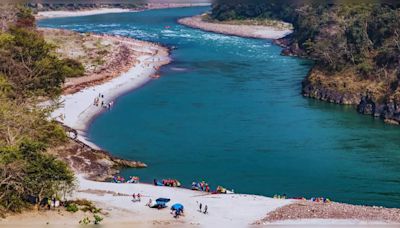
point(369, 97)
point(356, 54)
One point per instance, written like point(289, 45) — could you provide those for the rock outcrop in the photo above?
point(327, 88)
point(98, 165)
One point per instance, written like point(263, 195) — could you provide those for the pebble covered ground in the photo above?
point(313, 210)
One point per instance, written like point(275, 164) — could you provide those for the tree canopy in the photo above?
point(29, 68)
point(361, 37)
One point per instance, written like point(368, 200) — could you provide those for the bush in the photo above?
point(30, 172)
point(365, 69)
point(85, 221)
point(72, 208)
point(97, 219)
point(72, 68)
point(25, 18)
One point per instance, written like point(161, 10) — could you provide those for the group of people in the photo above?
point(177, 213)
point(118, 179)
point(100, 102)
point(280, 196)
point(205, 211)
point(313, 199)
point(320, 200)
point(136, 197)
point(167, 182)
point(52, 203)
point(201, 186)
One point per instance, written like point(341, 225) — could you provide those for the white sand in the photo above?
point(225, 210)
point(62, 13)
point(252, 31)
point(78, 109)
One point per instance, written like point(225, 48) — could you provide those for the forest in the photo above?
point(355, 47)
point(30, 72)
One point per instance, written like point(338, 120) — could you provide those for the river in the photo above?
point(229, 110)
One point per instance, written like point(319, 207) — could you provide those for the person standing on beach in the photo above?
point(205, 209)
point(201, 205)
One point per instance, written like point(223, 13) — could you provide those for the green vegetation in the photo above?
point(30, 71)
point(72, 207)
point(255, 21)
point(361, 39)
point(97, 219)
point(73, 68)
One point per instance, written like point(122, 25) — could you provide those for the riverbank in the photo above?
point(100, 10)
point(233, 210)
point(78, 107)
point(78, 13)
point(242, 30)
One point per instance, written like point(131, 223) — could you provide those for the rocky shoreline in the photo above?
point(317, 85)
point(339, 211)
point(363, 101)
point(94, 164)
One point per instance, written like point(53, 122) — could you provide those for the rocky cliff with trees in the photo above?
point(355, 47)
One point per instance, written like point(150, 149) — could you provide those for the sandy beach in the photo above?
point(228, 210)
point(224, 210)
point(250, 31)
point(63, 13)
point(89, 12)
point(78, 109)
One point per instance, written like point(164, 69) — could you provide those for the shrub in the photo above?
point(97, 219)
point(72, 68)
point(85, 221)
point(72, 208)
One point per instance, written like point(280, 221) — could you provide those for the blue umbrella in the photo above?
point(177, 207)
point(162, 200)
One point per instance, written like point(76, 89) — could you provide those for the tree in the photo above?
point(45, 175)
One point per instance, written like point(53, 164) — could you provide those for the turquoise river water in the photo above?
point(229, 110)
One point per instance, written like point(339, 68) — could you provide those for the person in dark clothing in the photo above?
point(201, 205)
point(205, 209)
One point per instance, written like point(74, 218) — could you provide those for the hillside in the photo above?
point(355, 48)
point(34, 151)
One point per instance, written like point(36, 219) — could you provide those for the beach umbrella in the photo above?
point(177, 207)
point(162, 200)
